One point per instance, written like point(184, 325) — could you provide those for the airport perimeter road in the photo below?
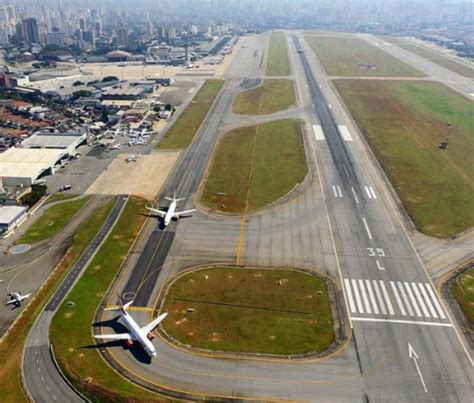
point(42, 377)
point(439, 73)
point(407, 346)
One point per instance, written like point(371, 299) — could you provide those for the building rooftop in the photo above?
point(8, 214)
point(53, 140)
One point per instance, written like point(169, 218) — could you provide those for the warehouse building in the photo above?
point(11, 217)
point(67, 141)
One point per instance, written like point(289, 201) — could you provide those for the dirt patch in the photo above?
point(143, 178)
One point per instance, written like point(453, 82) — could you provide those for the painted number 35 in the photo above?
point(376, 252)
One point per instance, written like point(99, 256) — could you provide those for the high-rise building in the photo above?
point(88, 36)
point(30, 31)
point(55, 38)
point(122, 37)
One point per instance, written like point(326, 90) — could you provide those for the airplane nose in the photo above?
point(153, 353)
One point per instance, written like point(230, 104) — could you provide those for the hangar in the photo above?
point(22, 166)
point(67, 141)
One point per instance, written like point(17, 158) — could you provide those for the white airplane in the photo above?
point(143, 335)
point(16, 298)
point(171, 213)
point(131, 158)
point(115, 147)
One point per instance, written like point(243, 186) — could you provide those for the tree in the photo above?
point(110, 78)
point(77, 83)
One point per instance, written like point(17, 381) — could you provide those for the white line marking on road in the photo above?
point(367, 228)
point(190, 90)
point(313, 105)
point(379, 266)
point(364, 297)
point(349, 295)
point(334, 190)
point(47, 388)
point(427, 299)
point(435, 300)
point(412, 299)
point(379, 297)
point(357, 296)
point(401, 321)
point(472, 95)
point(54, 397)
point(414, 356)
point(420, 300)
point(345, 169)
point(405, 298)
point(329, 105)
point(387, 298)
point(397, 297)
point(339, 190)
point(318, 132)
point(355, 195)
point(373, 192)
point(346, 136)
point(42, 379)
point(372, 297)
point(368, 192)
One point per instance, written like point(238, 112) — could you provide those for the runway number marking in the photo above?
point(318, 132)
point(379, 266)
point(376, 252)
point(346, 136)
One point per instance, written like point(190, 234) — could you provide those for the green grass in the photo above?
point(11, 349)
point(271, 96)
point(277, 61)
point(182, 132)
point(294, 317)
point(344, 55)
point(433, 56)
point(53, 220)
point(404, 121)
point(279, 164)
point(59, 197)
point(463, 290)
point(71, 326)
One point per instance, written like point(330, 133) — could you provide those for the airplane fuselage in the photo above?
point(138, 334)
point(170, 213)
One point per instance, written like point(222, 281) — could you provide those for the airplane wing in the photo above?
point(178, 213)
point(119, 336)
point(151, 326)
point(13, 301)
point(156, 211)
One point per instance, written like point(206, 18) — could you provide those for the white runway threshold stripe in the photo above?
point(377, 297)
point(346, 136)
point(318, 132)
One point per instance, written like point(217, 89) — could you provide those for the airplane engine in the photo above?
point(150, 336)
point(128, 343)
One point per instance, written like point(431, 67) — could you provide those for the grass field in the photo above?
point(53, 220)
point(277, 60)
point(11, 348)
point(463, 290)
point(404, 121)
point(182, 133)
point(261, 162)
point(265, 311)
point(70, 331)
point(59, 197)
point(433, 56)
point(344, 56)
point(271, 96)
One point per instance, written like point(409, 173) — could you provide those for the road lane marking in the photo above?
point(379, 297)
point(336, 189)
point(435, 300)
point(318, 133)
point(190, 90)
point(370, 192)
point(405, 298)
point(412, 299)
point(355, 195)
point(346, 136)
point(329, 105)
point(428, 302)
point(372, 297)
point(420, 300)
point(367, 228)
point(349, 295)
point(364, 297)
point(387, 298)
point(401, 321)
point(345, 169)
point(397, 298)
point(357, 296)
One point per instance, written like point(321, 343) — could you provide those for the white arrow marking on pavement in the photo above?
point(414, 356)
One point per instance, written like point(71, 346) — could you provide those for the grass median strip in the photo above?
point(404, 122)
point(271, 96)
point(52, 221)
point(277, 61)
point(433, 56)
point(71, 326)
point(12, 346)
point(463, 290)
point(264, 311)
point(275, 150)
point(354, 57)
point(182, 133)
point(59, 197)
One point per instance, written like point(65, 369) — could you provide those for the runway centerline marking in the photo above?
point(355, 195)
point(367, 228)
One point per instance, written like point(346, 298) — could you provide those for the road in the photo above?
point(43, 380)
point(342, 220)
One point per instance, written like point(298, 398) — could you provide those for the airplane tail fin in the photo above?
point(122, 307)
